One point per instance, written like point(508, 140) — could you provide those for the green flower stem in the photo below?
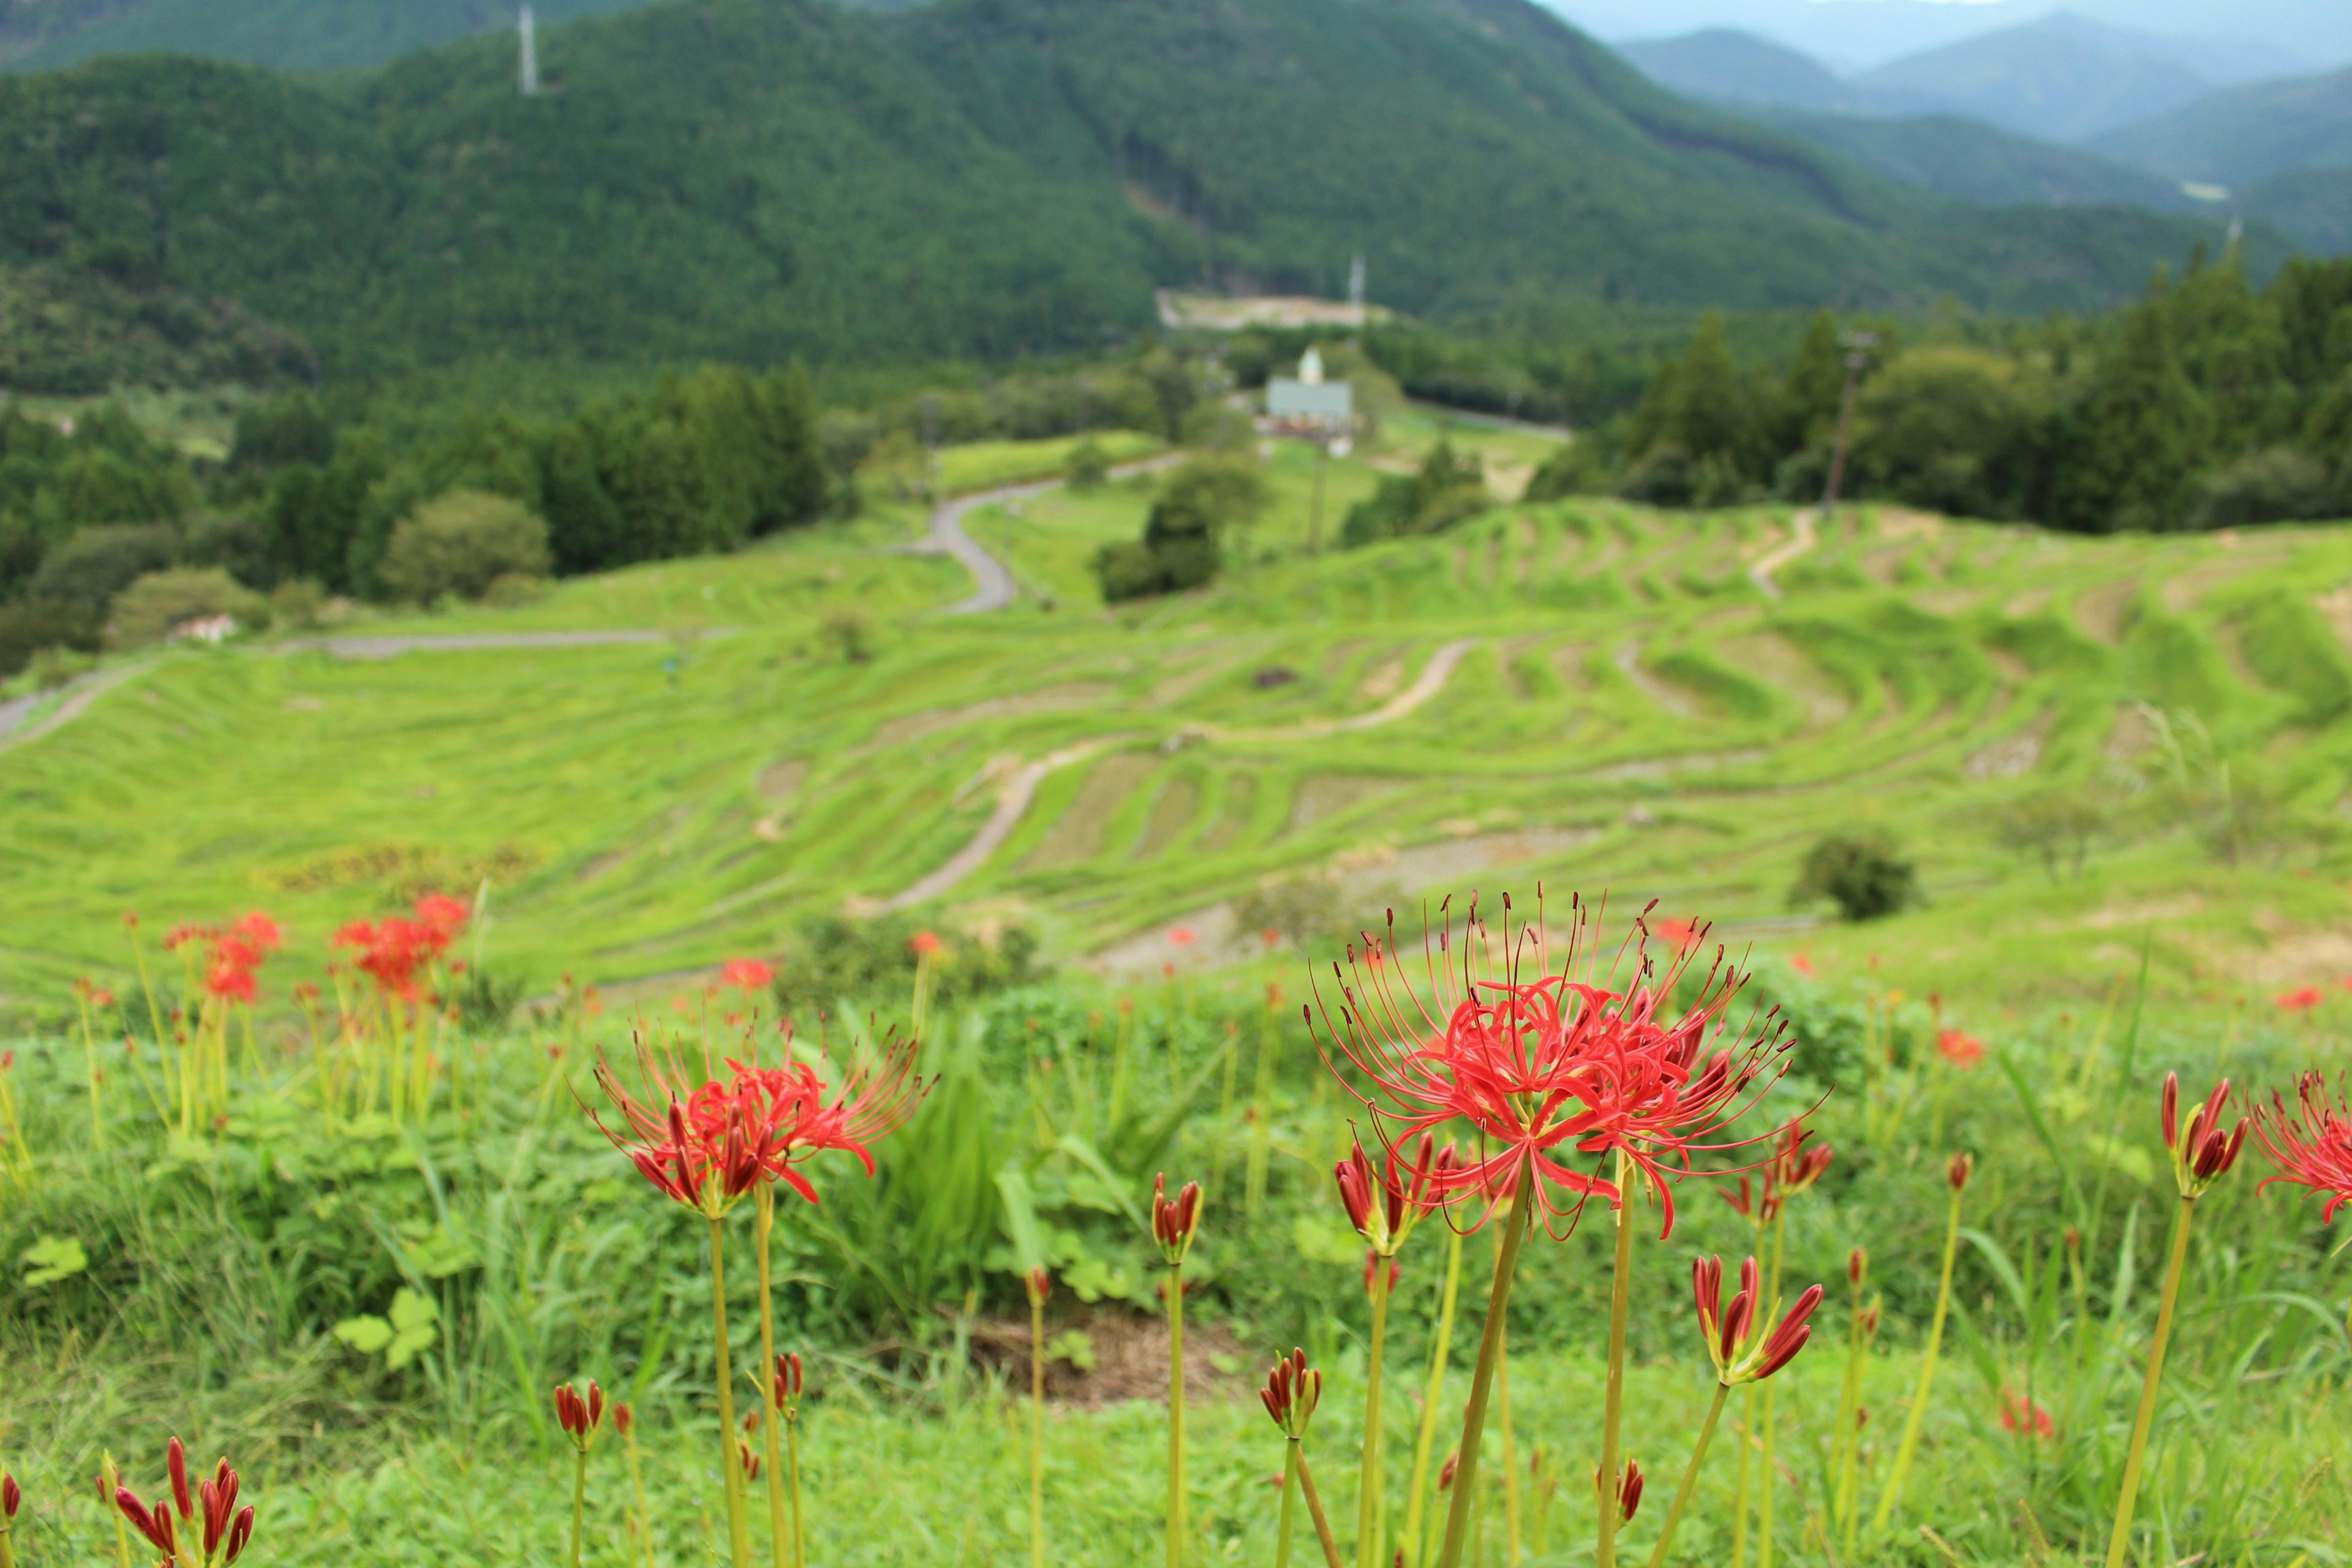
point(1176, 1417)
point(1314, 1510)
point(739, 1532)
point(1746, 1432)
point(1621, 1297)
point(793, 1460)
point(2119, 1539)
point(764, 1218)
point(1846, 1452)
point(1371, 1520)
point(1510, 1453)
point(1482, 1382)
point(1764, 1472)
point(1261, 1145)
point(1910, 1445)
point(1289, 1499)
point(1037, 1433)
point(579, 1506)
point(644, 1520)
point(1690, 1479)
point(1426, 1439)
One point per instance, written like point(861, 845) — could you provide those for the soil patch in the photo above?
point(1129, 1353)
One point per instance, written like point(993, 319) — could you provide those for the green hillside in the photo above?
point(2238, 136)
point(1955, 156)
point(1589, 692)
point(42, 35)
point(756, 179)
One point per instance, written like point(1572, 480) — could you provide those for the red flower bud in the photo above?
point(2167, 1114)
point(1445, 1473)
point(623, 1418)
point(1857, 1267)
point(155, 1523)
point(240, 1534)
point(1173, 1224)
point(788, 1380)
point(1040, 1286)
point(1957, 1173)
point(177, 1461)
point(1291, 1393)
point(9, 1496)
point(1629, 1490)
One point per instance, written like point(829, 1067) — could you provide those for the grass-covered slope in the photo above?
point(1627, 711)
point(762, 178)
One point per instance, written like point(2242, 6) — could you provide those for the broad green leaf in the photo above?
point(1075, 1346)
point(366, 1334)
point(52, 1258)
point(1021, 1216)
point(412, 1310)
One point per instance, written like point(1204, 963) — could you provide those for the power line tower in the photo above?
point(529, 35)
point(1355, 286)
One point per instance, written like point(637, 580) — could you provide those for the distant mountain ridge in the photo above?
point(2063, 77)
point(756, 179)
point(2238, 136)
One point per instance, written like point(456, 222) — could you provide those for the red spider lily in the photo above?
point(1629, 1490)
point(226, 1529)
point(1680, 935)
point(1791, 1170)
point(924, 943)
point(1385, 1203)
point(1291, 1392)
point(2311, 1149)
point(1738, 1353)
point(581, 1418)
point(789, 1381)
point(1183, 936)
point(871, 1101)
point(746, 974)
point(1552, 1067)
point(1960, 1048)
point(2023, 1417)
point(2202, 1153)
point(1174, 1223)
point(393, 951)
point(443, 913)
point(261, 932)
point(2301, 1000)
point(1802, 966)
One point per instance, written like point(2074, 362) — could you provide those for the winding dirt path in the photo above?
point(993, 587)
point(1802, 539)
point(14, 730)
point(1019, 790)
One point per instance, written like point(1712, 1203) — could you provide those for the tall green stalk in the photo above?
point(1482, 1382)
point(1621, 1295)
point(1901, 1477)
point(645, 1553)
point(579, 1505)
point(1745, 1431)
point(1288, 1516)
point(1764, 1458)
point(1261, 1145)
point(739, 1531)
point(1037, 1429)
point(1371, 1518)
point(1427, 1436)
point(1176, 1414)
point(2119, 1538)
point(764, 1224)
point(1511, 1453)
point(1690, 1479)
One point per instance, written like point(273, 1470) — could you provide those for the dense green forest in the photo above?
point(756, 179)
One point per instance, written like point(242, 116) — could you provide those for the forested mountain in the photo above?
point(2063, 77)
point(1737, 68)
point(757, 179)
point(1967, 158)
point(2242, 134)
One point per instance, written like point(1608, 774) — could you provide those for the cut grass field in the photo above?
point(1634, 715)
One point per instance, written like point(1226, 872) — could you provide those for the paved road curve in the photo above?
point(996, 588)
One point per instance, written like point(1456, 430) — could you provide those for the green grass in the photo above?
point(983, 464)
point(1674, 733)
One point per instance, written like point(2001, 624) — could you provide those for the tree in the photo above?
point(151, 608)
point(1956, 429)
point(2126, 456)
point(1446, 489)
point(1807, 404)
point(1181, 545)
point(1862, 873)
point(2233, 352)
point(460, 544)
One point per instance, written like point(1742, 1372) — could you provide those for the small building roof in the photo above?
point(1330, 401)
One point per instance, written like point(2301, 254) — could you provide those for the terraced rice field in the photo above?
point(1585, 692)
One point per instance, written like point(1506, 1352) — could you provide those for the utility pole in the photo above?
point(1314, 507)
point(1858, 345)
point(530, 35)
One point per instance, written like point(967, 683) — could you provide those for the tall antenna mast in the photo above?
point(1356, 285)
point(530, 54)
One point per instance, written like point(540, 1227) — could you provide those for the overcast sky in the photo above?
point(1852, 34)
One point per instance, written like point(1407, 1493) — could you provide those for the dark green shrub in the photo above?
point(29, 625)
point(2275, 484)
point(461, 543)
point(95, 564)
point(1446, 489)
point(1864, 874)
point(838, 962)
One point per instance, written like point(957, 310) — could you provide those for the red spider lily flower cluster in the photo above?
point(582, 1419)
point(1629, 1490)
point(2022, 1417)
point(708, 1146)
point(1174, 1221)
point(226, 1529)
point(233, 953)
point(1385, 1202)
point(1291, 1392)
point(2313, 1149)
point(1739, 1353)
point(1547, 1068)
point(391, 950)
point(2303, 999)
point(924, 943)
point(749, 975)
point(2202, 1153)
point(1791, 1170)
point(1960, 1048)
